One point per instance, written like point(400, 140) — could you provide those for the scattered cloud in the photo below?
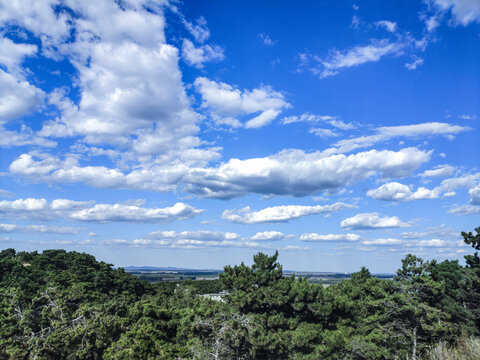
point(130, 213)
point(416, 62)
point(438, 232)
point(270, 236)
point(394, 191)
point(314, 237)
point(41, 229)
point(282, 213)
point(266, 40)
point(387, 25)
point(385, 133)
point(358, 55)
point(227, 103)
point(388, 242)
point(323, 132)
point(468, 117)
point(311, 118)
point(475, 195)
point(198, 29)
point(463, 12)
point(198, 56)
point(199, 235)
point(32, 208)
point(368, 221)
point(439, 171)
point(465, 210)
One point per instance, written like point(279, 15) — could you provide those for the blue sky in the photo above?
point(198, 133)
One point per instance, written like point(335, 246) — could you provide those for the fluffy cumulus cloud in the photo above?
point(394, 191)
point(227, 104)
point(32, 208)
point(121, 60)
point(368, 221)
point(17, 97)
point(298, 173)
point(314, 237)
point(280, 213)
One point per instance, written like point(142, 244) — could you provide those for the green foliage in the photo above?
point(67, 305)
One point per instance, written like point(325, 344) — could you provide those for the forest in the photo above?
point(66, 305)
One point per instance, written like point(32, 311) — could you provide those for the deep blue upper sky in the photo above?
point(197, 133)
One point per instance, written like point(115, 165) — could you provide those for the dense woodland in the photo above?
point(67, 305)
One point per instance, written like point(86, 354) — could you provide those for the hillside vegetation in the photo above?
point(67, 305)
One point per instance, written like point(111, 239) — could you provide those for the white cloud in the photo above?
point(32, 208)
point(394, 191)
point(475, 195)
point(358, 55)
point(226, 103)
point(296, 248)
point(17, 97)
point(130, 213)
point(199, 29)
point(385, 133)
point(387, 25)
point(414, 64)
point(463, 11)
point(297, 173)
point(198, 56)
point(465, 210)
point(468, 117)
point(156, 177)
point(439, 171)
point(329, 237)
point(438, 232)
point(269, 236)
point(464, 181)
point(121, 60)
point(13, 54)
point(42, 229)
point(431, 128)
point(311, 118)
point(434, 243)
point(368, 221)
point(199, 235)
point(323, 132)
point(388, 241)
point(266, 40)
point(194, 240)
point(280, 213)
